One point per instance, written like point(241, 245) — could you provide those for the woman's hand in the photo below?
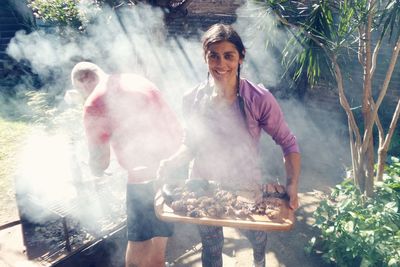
point(291, 191)
point(293, 167)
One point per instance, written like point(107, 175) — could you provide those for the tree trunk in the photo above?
point(385, 147)
point(369, 160)
point(360, 174)
point(382, 154)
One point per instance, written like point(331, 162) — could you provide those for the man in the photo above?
point(126, 113)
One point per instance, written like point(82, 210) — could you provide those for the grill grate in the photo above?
point(64, 233)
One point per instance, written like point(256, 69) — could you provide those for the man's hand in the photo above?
point(170, 165)
point(164, 171)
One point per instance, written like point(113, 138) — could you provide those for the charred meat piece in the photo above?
point(179, 206)
point(270, 206)
point(274, 190)
point(199, 186)
point(242, 213)
point(195, 213)
point(272, 214)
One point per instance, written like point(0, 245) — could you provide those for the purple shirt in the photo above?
point(225, 143)
point(263, 112)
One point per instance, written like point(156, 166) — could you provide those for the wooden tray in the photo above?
point(283, 222)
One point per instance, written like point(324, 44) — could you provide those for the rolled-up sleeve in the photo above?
point(272, 120)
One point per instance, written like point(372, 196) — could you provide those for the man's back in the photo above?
point(127, 112)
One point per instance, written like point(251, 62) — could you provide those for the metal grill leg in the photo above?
point(66, 234)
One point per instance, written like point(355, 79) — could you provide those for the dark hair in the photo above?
point(222, 32)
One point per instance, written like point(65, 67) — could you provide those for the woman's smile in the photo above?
point(221, 72)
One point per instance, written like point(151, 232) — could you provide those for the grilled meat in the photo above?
point(212, 201)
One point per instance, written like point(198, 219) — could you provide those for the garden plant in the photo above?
point(360, 221)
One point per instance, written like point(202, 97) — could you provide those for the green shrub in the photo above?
point(72, 12)
point(359, 231)
point(61, 12)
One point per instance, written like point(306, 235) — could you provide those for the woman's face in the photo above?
point(223, 60)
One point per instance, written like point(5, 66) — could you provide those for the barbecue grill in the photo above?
point(87, 230)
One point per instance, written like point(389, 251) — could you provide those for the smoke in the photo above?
point(261, 39)
point(46, 160)
point(53, 163)
point(321, 134)
point(135, 40)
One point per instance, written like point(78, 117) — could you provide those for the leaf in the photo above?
point(330, 229)
point(349, 226)
point(365, 263)
point(309, 247)
point(344, 204)
point(393, 262)
point(391, 206)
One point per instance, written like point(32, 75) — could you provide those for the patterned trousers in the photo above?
point(212, 239)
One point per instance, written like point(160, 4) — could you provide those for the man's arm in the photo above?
point(99, 158)
point(293, 167)
point(98, 139)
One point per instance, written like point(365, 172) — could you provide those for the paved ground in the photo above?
point(284, 248)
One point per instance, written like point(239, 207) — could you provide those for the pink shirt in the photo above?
point(128, 114)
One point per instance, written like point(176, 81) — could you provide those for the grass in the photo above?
point(19, 114)
point(12, 133)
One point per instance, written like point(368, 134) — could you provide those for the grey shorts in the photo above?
point(142, 222)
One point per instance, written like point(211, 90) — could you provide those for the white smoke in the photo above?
point(135, 40)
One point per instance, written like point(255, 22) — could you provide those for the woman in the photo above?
point(225, 116)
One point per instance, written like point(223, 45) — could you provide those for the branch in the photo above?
point(344, 103)
point(375, 56)
point(380, 128)
point(361, 45)
point(354, 156)
point(378, 123)
point(392, 126)
point(384, 88)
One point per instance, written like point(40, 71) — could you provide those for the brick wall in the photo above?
point(192, 26)
point(200, 15)
point(226, 7)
